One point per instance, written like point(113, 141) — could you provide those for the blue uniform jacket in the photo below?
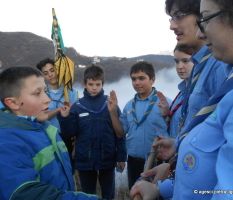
point(211, 78)
point(176, 117)
point(34, 162)
point(205, 162)
point(57, 100)
point(139, 139)
point(97, 146)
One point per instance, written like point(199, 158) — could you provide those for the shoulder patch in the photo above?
point(189, 162)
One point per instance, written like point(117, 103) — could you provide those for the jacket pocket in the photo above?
point(108, 150)
point(196, 102)
point(83, 150)
point(209, 140)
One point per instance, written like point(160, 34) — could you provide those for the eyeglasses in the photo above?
point(199, 21)
point(178, 18)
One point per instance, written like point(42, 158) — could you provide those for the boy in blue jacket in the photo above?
point(33, 158)
point(97, 148)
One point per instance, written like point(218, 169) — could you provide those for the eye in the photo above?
point(52, 69)
point(45, 73)
point(178, 17)
point(176, 61)
point(186, 60)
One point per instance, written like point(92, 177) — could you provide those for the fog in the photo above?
point(166, 82)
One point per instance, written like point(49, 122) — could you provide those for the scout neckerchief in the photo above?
point(190, 86)
point(152, 102)
point(96, 112)
point(209, 107)
point(58, 100)
point(172, 112)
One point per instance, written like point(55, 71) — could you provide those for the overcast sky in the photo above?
point(124, 28)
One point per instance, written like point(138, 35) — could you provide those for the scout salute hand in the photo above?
point(65, 109)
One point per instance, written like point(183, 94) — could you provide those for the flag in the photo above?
point(63, 65)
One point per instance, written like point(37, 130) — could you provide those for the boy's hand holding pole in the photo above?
point(65, 109)
point(151, 158)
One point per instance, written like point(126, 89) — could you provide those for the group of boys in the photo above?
point(35, 159)
point(36, 121)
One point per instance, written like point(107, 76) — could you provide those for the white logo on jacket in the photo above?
point(83, 114)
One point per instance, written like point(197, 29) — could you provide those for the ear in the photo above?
point(84, 84)
point(153, 80)
point(12, 103)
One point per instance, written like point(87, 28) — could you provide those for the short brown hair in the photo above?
point(12, 80)
point(94, 72)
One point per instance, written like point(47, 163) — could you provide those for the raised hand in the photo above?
point(65, 109)
point(112, 102)
point(163, 104)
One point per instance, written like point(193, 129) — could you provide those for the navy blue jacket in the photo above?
point(97, 146)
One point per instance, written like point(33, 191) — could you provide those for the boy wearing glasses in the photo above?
point(206, 77)
point(208, 73)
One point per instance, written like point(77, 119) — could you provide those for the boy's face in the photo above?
point(183, 64)
point(142, 83)
point(185, 29)
point(93, 86)
point(49, 74)
point(33, 101)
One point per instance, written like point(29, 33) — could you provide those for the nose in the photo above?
point(173, 25)
point(179, 66)
point(137, 81)
point(50, 74)
point(94, 87)
point(46, 99)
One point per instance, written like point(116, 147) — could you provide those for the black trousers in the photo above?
point(135, 167)
point(106, 178)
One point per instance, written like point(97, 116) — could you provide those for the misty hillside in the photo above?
point(27, 49)
point(150, 58)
